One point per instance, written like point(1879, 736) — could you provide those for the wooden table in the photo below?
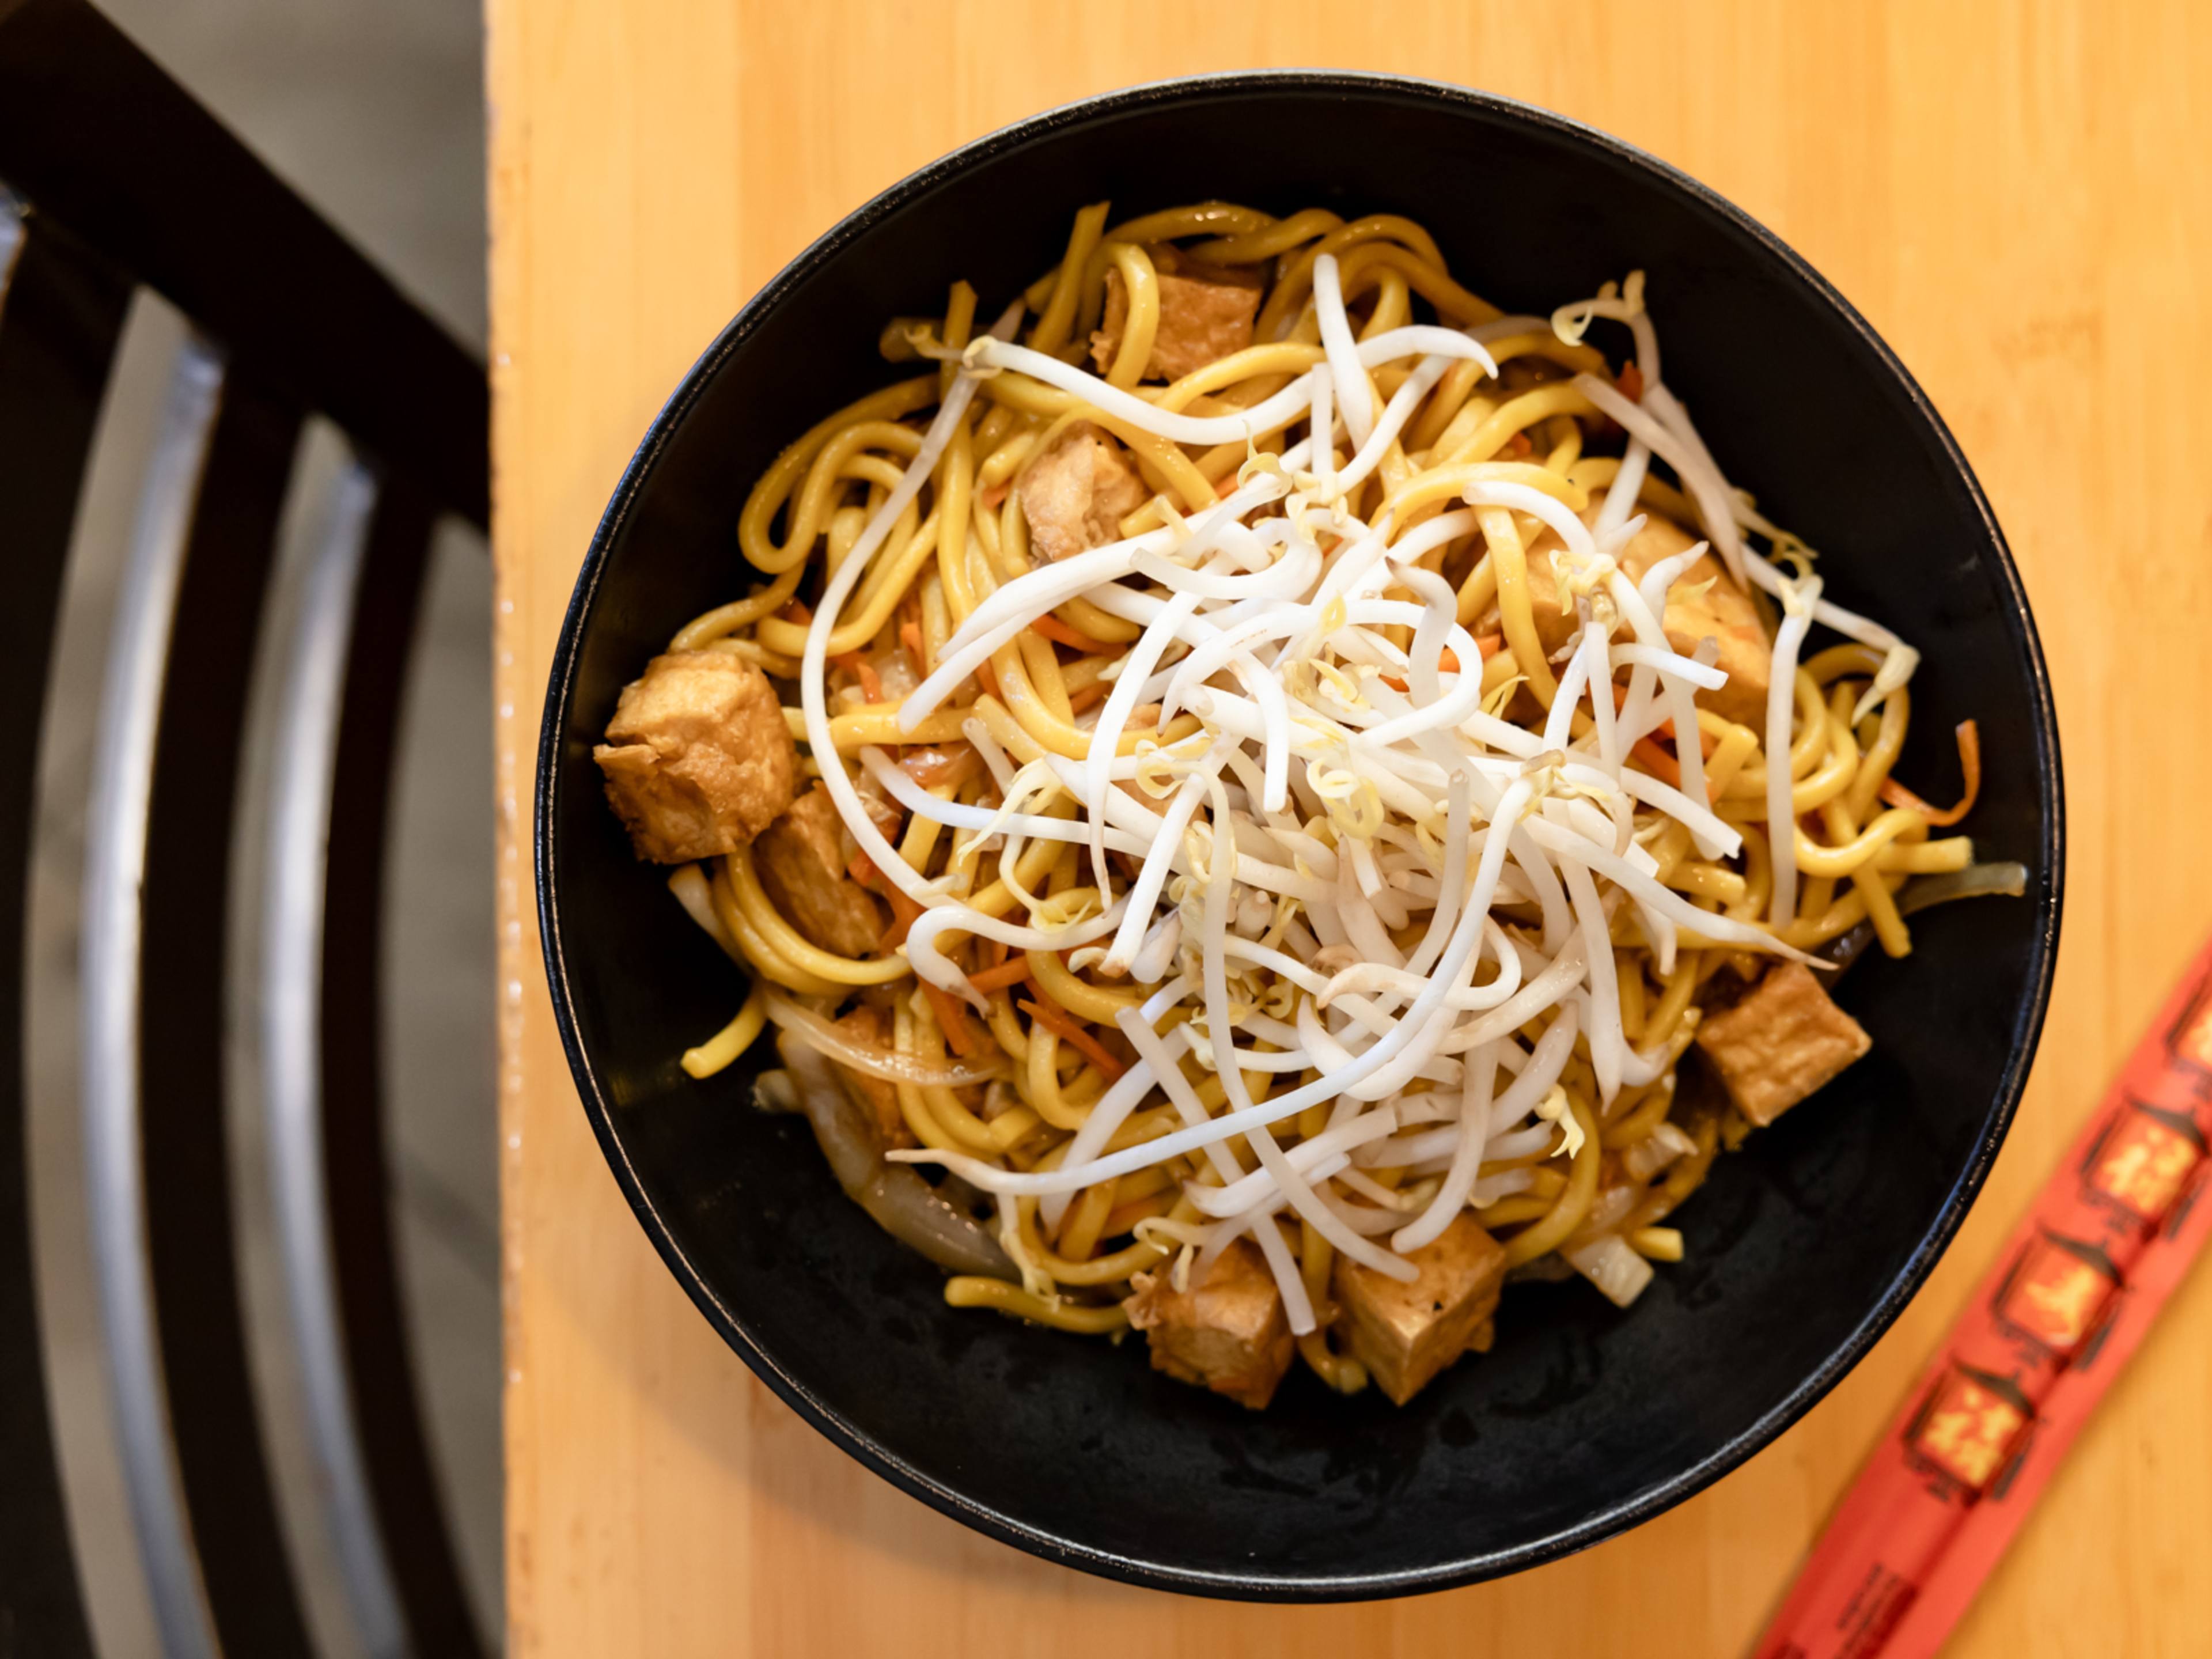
point(2016, 196)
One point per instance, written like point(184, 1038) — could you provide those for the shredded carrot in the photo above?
point(995, 952)
point(1060, 634)
point(1011, 972)
point(797, 611)
point(1630, 384)
point(904, 910)
point(952, 1018)
point(1448, 660)
point(1519, 445)
point(1706, 741)
point(852, 663)
point(987, 677)
point(995, 497)
point(1121, 1220)
point(1063, 1025)
point(910, 637)
point(1657, 761)
point(1490, 645)
point(1083, 699)
point(904, 913)
point(1970, 763)
point(949, 765)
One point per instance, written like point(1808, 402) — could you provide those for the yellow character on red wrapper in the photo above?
point(1969, 1426)
point(2057, 1291)
point(2144, 1162)
point(2192, 1038)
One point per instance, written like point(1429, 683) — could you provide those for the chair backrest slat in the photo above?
point(157, 864)
point(112, 155)
point(62, 311)
point(93, 133)
point(322, 1066)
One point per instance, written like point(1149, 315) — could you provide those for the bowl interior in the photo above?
point(1583, 1419)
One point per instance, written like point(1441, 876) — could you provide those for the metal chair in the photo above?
point(111, 177)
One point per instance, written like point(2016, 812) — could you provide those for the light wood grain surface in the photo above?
point(2018, 198)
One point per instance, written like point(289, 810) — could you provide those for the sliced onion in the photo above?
point(1608, 1209)
point(1656, 1151)
point(896, 1198)
point(1610, 1264)
point(776, 1091)
point(689, 882)
point(868, 1057)
point(1975, 881)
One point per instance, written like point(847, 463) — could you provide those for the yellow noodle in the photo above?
point(1271, 241)
point(768, 496)
point(1078, 995)
point(725, 1045)
point(1574, 1200)
point(1059, 310)
point(759, 951)
point(1141, 289)
point(759, 909)
point(966, 1291)
point(1515, 415)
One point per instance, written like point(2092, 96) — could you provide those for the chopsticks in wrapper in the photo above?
point(2071, 1297)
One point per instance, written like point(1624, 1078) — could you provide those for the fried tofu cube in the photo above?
point(1077, 493)
point(1781, 1043)
point(1229, 1334)
point(800, 860)
point(876, 1096)
point(1724, 611)
point(1405, 1334)
point(698, 760)
point(1206, 313)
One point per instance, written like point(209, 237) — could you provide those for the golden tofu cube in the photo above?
point(1229, 1334)
point(698, 760)
point(1077, 493)
point(1723, 612)
point(1206, 313)
point(1781, 1043)
point(1405, 1334)
point(801, 862)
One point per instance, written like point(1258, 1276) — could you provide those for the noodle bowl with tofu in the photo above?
point(1201, 789)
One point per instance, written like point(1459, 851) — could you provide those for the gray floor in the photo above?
point(374, 109)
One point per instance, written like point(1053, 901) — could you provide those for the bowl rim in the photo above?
point(1260, 1584)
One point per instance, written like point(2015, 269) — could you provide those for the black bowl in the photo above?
point(1583, 1420)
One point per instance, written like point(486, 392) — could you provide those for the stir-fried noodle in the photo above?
point(1293, 779)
